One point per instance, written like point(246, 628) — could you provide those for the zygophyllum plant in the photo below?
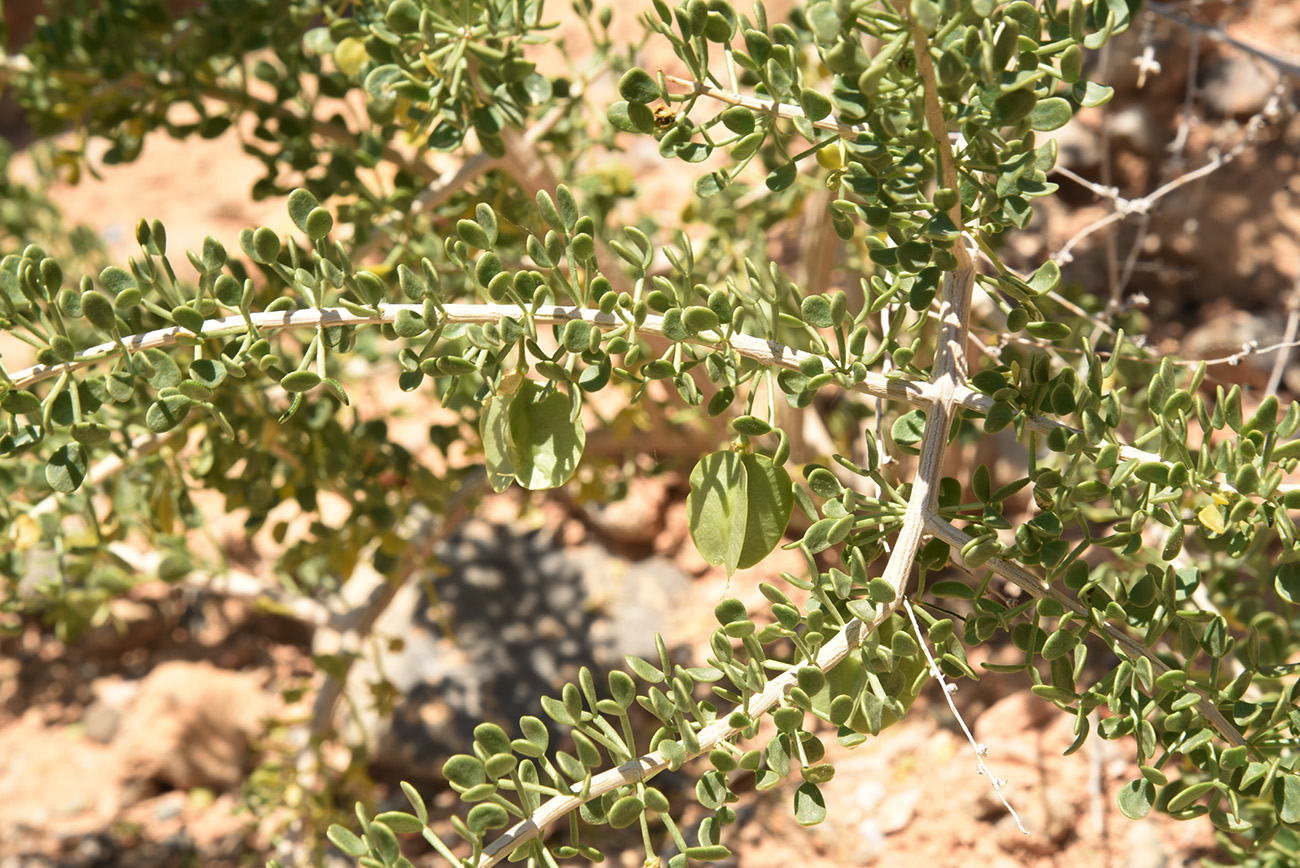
point(1156, 561)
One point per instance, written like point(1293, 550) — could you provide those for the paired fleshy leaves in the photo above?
point(738, 508)
point(531, 435)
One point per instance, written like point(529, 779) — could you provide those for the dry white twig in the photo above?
point(981, 750)
point(1285, 63)
point(947, 373)
point(1142, 205)
point(1288, 340)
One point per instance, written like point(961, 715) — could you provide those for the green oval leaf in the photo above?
point(1048, 331)
point(346, 841)
point(166, 413)
point(473, 234)
point(717, 508)
point(485, 817)
point(301, 203)
point(710, 185)
point(739, 120)
point(401, 822)
point(266, 246)
point(320, 223)
point(91, 433)
point(99, 310)
point(408, 324)
point(576, 336)
point(782, 177)
point(116, 280)
point(498, 449)
point(1286, 581)
point(209, 372)
point(417, 801)
point(1136, 798)
point(750, 426)
point(66, 469)
point(187, 318)
point(300, 381)
point(630, 117)
point(1286, 796)
point(809, 806)
point(20, 402)
point(770, 497)
point(463, 771)
point(548, 438)
point(1189, 795)
point(816, 310)
point(625, 812)
point(908, 430)
point(1050, 114)
point(492, 738)
point(638, 86)
point(816, 105)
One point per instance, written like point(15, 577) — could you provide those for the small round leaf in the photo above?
point(266, 246)
point(319, 223)
point(631, 117)
point(20, 402)
point(625, 812)
point(1136, 798)
point(1050, 114)
point(300, 381)
point(346, 841)
point(99, 311)
point(638, 86)
point(300, 204)
point(809, 805)
point(401, 822)
point(485, 817)
point(66, 469)
point(166, 413)
point(188, 318)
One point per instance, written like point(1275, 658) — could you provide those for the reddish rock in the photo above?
point(192, 726)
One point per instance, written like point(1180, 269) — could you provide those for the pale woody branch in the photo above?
point(764, 352)
point(897, 387)
point(835, 650)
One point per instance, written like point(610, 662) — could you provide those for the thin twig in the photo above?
point(1125, 207)
point(648, 765)
point(1052, 294)
point(1288, 340)
point(230, 583)
point(767, 106)
point(1282, 62)
point(1108, 180)
point(981, 750)
point(946, 375)
point(1098, 190)
point(763, 351)
point(111, 465)
point(1097, 780)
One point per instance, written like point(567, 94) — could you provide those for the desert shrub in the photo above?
point(1142, 516)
